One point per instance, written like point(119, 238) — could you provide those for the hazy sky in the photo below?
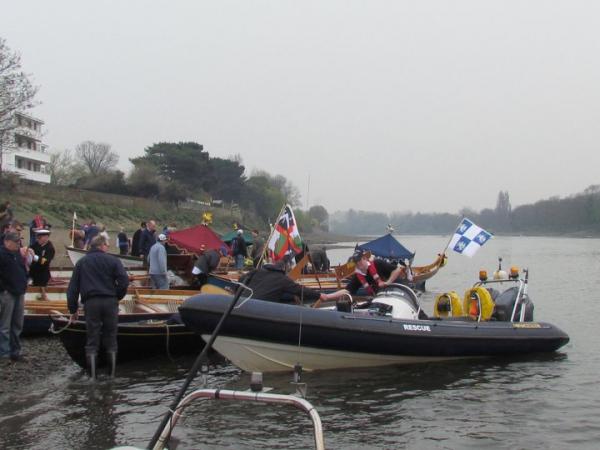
point(385, 105)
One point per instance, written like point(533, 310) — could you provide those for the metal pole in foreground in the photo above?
point(261, 397)
point(197, 365)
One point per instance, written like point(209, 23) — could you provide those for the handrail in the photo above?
point(262, 397)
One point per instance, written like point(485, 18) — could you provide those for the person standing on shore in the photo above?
point(135, 240)
point(157, 264)
point(239, 250)
point(39, 271)
point(147, 239)
point(101, 281)
point(123, 242)
point(13, 284)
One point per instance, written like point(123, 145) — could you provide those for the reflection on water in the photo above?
point(540, 401)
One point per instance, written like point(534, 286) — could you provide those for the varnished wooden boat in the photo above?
point(129, 262)
point(335, 279)
point(137, 301)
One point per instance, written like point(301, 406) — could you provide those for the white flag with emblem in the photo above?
point(468, 238)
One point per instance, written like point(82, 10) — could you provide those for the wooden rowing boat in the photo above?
point(138, 301)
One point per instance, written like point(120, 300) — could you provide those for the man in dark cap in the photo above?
point(13, 284)
point(43, 250)
point(101, 281)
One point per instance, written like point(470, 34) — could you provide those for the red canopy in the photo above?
point(192, 238)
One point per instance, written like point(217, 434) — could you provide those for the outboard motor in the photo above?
point(397, 301)
point(505, 304)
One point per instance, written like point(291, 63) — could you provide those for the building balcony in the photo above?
point(40, 177)
point(42, 157)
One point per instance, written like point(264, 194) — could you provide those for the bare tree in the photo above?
point(16, 91)
point(96, 157)
point(63, 168)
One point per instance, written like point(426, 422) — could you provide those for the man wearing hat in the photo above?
point(157, 264)
point(101, 281)
point(13, 284)
point(43, 250)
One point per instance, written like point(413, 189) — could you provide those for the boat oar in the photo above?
point(201, 357)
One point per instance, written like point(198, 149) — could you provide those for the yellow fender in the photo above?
point(471, 306)
point(451, 299)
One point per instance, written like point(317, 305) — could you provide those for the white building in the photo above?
point(23, 151)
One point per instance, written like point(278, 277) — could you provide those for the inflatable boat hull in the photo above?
point(266, 336)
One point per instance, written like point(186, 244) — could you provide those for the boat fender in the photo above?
point(448, 304)
point(471, 306)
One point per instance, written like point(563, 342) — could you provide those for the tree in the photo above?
point(96, 157)
point(503, 210)
point(265, 199)
point(112, 182)
point(144, 181)
point(63, 168)
point(16, 92)
point(289, 191)
point(320, 215)
point(184, 162)
point(173, 192)
point(229, 179)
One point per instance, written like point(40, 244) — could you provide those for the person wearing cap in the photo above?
point(13, 284)
point(157, 264)
point(206, 263)
point(101, 281)
point(39, 271)
point(239, 251)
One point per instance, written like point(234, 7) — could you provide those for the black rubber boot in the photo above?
point(91, 364)
point(112, 363)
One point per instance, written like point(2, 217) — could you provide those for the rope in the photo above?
point(53, 331)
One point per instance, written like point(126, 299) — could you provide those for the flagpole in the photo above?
point(266, 247)
point(452, 236)
point(73, 231)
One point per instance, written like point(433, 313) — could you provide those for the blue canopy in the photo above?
point(387, 247)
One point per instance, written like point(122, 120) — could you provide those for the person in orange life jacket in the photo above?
point(369, 275)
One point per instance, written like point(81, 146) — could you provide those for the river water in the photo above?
point(540, 402)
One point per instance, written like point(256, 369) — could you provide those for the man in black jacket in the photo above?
point(101, 281)
point(13, 284)
point(272, 284)
point(206, 263)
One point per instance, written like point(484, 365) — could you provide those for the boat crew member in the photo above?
point(101, 281)
point(206, 263)
point(271, 283)
point(369, 275)
point(39, 271)
point(13, 284)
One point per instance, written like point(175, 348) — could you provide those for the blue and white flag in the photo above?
point(468, 238)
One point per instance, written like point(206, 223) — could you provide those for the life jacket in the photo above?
point(371, 270)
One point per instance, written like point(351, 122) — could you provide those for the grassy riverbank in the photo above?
point(58, 204)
